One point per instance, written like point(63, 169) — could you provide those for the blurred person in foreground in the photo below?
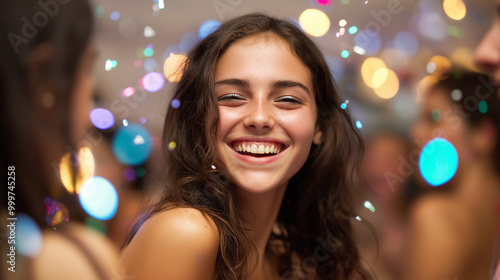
point(453, 231)
point(46, 89)
point(487, 57)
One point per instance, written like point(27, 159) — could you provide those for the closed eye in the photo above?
point(230, 96)
point(289, 99)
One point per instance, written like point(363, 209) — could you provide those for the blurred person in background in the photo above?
point(128, 181)
point(387, 170)
point(46, 84)
point(453, 231)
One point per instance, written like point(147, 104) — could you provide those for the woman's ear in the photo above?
point(317, 135)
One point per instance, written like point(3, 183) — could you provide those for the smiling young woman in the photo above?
point(260, 183)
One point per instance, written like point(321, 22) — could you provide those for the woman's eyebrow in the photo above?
point(274, 85)
point(234, 82)
point(289, 84)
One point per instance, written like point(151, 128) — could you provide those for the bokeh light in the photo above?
point(173, 67)
point(456, 94)
point(175, 103)
point(342, 22)
point(86, 169)
point(353, 29)
point(344, 54)
point(172, 145)
point(406, 42)
point(441, 65)
point(323, 2)
point(438, 161)
point(368, 69)
point(314, 22)
point(432, 26)
point(28, 235)
point(114, 15)
point(153, 81)
point(102, 118)
point(454, 9)
point(368, 205)
point(390, 87)
point(208, 27)
point(436, 115)
point(148, 52)
point(99, 198)
point(99, 11)
point(482, 106)
point(132, 144)
point(359, 125)
point(128, 91)
point(149, 32)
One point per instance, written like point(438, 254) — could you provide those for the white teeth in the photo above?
point(254, 149)
point(261, 149)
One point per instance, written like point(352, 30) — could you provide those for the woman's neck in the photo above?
point(260, 213)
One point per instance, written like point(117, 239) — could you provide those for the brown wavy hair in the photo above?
point(314, 218)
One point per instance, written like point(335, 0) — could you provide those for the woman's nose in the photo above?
point(487, 55)
point(259, 116)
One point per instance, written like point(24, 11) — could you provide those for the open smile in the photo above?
point(257, 149)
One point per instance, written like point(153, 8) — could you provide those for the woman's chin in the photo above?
point(257, 186)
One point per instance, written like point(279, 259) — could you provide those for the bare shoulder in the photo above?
point(61, 258)
point(181, 242)
point(441, 211)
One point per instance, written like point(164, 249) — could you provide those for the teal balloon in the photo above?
point(132, 144)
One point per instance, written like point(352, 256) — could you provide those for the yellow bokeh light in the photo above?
point(314, 22)
point(342, 22)
point(369, 68)
point(390, 87)
point(85, 170)
point(173, 67)
point(424, 85)
point(455, 9)
point(442, 64)
point(380, 77)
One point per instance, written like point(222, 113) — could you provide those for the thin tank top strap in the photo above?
point(99, 269)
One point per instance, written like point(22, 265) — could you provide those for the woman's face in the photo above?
point(82, 94)
point(267, 112)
